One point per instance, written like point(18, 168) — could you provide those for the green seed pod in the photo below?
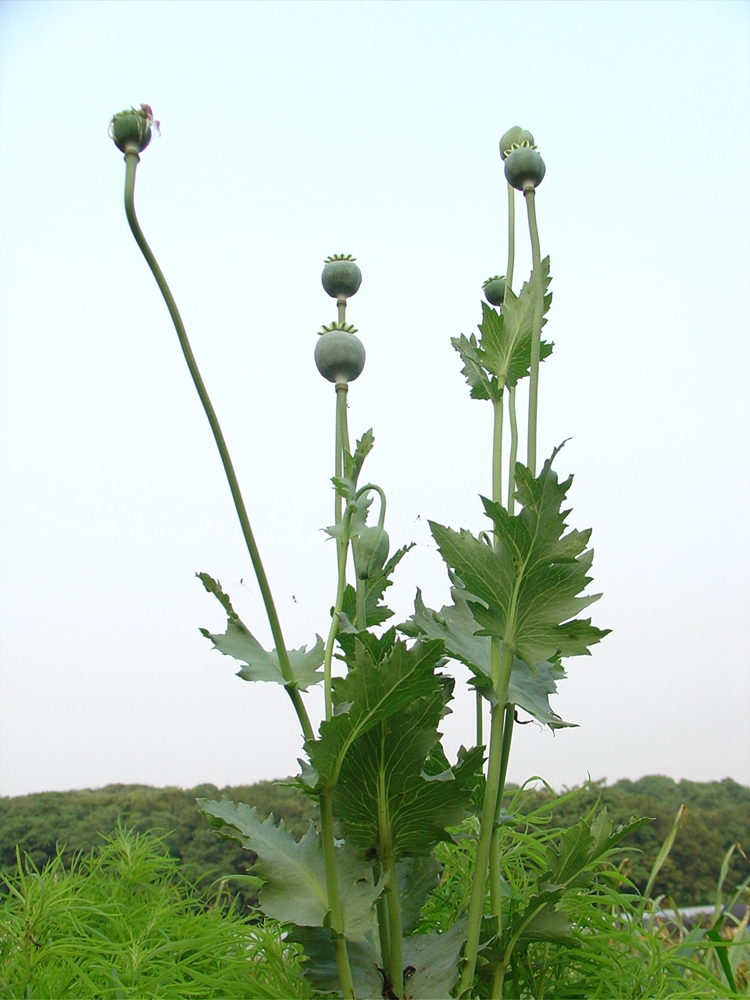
point(494, 290)
point(515, 136)
point(524, 168)
point(341, 277)
point(131, 129)
point(340, 356)
point(372, 551)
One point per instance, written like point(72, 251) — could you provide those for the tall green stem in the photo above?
point(131, 164)
point(495, 880)
point(332, 889)
point(342, 440)
point(501, 668)
point(333, 631)
point(537, 328)
point(497, 447)
point(513, 449)
point(511, 236)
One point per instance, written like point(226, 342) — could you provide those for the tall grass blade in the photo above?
point(666, 847)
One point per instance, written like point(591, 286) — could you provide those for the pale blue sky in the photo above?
point(292, 131)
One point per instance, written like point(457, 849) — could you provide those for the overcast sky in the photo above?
point(291, 131)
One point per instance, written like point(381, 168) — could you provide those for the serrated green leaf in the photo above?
point(502, 355)
point(483, 385)
point(353, 463)
point(372, 692)
point(529, 584)
point(383, 795)
point(456, 626)
point(259, 664)
point(294, 871)
point(506, 337)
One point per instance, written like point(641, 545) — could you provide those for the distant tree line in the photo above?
point(718, 815)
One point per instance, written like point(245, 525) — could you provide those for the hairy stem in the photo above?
point(334, 904)
point(537, 328)
point(131, 164)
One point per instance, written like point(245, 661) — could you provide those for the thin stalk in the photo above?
point(480, 719)
point(361, 603)
point(497, 981)
point(333, 631)
point(511, 236)
point(342, 442)
point(334, 904)
point(131, 164)
point(513, 449)
point(497, 448)
point(537, 328)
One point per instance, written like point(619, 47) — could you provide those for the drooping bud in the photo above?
point(372, 551)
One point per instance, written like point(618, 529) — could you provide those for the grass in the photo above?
point(124, 922)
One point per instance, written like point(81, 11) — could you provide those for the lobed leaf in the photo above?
point(294, 871)
point(502, 355)
point(259, 664)
point(457, 627)
point(529, 584)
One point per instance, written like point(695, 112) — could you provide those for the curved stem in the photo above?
point(381, 494)
point(131, 163)
point(537, 328)
point(513, 449)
